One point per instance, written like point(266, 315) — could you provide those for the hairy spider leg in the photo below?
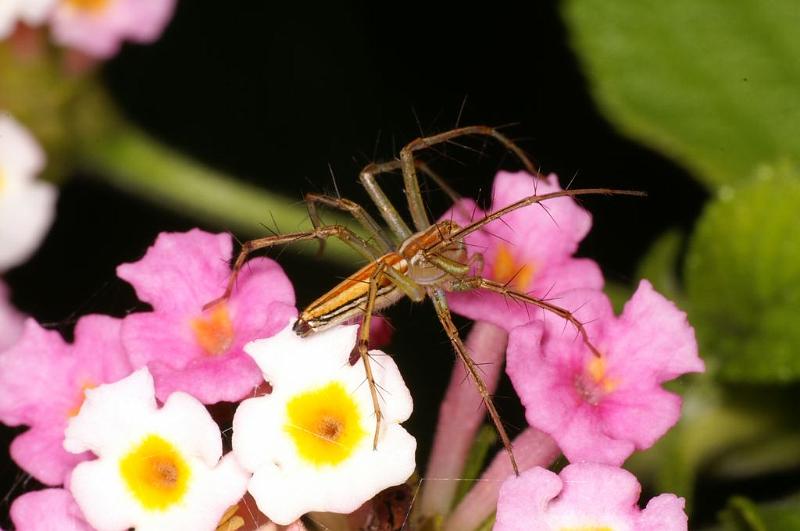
point(462, 282)
point(413, 195)
point(437, 296)
point(331, 231)
point(379, 242)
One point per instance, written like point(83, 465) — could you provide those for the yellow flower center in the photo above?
point(587, 528)
point(87, 5)
point(593, 384)
point(506, 269)
point(215, 332)
point(325, 424)
point(156, 473)
point(3, 179)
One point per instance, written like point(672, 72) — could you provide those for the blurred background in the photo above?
point(291, 96)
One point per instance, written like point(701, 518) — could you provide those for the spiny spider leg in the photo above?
point(331, 231)
point(530, 200)
point(363, 346)
point(382, 244)
point(413, 194)
point(437, 296)
point(473, 283)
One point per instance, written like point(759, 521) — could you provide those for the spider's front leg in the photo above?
point(249, 247)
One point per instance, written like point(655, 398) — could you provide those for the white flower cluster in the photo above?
point(306, 446)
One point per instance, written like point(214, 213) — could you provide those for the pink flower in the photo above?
point(10, 320)
point(98, 27)
point(603, 408)
point(530, 249)
point(42, 384)
point(186, 348)
point(584, 496)
point(48, 509)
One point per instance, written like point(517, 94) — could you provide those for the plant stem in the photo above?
point(133, 161)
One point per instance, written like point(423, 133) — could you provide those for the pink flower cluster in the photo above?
point(595, 400)
point(597, 403)
point(187, 348)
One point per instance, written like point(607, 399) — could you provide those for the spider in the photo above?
point(429, 260)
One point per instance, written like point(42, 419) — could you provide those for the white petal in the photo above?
point(112, 415)
point(285, 484)
point(319, 354)
point(104, 500)
point(21, 156)
point(186, 421)
point(286, 493)
point(25, 217)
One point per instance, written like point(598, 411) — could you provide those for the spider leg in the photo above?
point(413, 195)
point(525, 201)
point(437, 296)
point(331, 231)
point(363, 346)
point(382, 244)
point(368, 178)
point(472, 283)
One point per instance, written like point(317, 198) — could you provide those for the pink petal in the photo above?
point(653, 336)
point(101, 33)
point(40, 452)
point(583, 496)
point(664, 513)
point(181, 271)
point(46, 510)
point(98, 350)
point(37, 366)
point(210, 379)
point(642, 417)
point(180, 274)
point(524, 499)
point(540, 237)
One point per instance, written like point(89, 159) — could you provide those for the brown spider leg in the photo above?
point(472, 283)
point(382, 243)
point(413, 194)
point(437, 296)
point(530, 200)
point(331, 231)
point(363, 346)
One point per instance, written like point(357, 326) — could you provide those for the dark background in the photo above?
point(277, 94)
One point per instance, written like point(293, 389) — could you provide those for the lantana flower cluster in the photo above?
point(118, 423)
point(120, 431)
point(95, 27)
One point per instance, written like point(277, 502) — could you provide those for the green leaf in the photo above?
point(660, 264)
point(742, 514)
point(713, 84)
point(743, 278)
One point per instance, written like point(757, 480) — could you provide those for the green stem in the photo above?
point(131, 160)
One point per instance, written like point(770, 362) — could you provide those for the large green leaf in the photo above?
point(712, 83)
point(743, 278)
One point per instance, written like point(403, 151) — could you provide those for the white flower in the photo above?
point(26, 205)
point(157, 468)
point(309, 443)
point(32, 12)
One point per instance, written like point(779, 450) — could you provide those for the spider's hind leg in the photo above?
point(437, 295)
